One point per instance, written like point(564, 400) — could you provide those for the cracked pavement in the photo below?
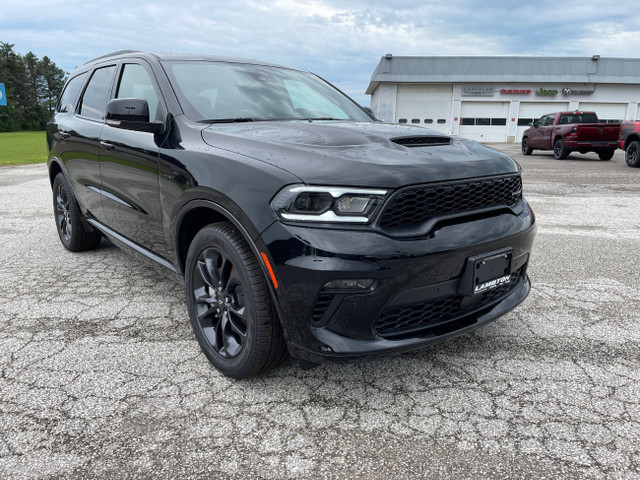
point(101, 375)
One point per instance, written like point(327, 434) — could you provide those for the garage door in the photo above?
point(609, 112)
point(484, 121)
point(530, 111)
point(425, 105)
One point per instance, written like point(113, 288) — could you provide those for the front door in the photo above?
point(129, 167)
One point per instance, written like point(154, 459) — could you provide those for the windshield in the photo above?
point(220, 91)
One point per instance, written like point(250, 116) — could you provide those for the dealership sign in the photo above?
point(3, 96)
point(515, 91)
point(575, 91)
point(477, 91)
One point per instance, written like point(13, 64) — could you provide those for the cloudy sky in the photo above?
point(341, 40)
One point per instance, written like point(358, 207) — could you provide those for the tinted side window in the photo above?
point(542, 121)
point(68, 99)
point(94, 101)
point(136, 83)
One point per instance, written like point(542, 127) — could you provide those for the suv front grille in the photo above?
point(422, 317)
point(415, 205)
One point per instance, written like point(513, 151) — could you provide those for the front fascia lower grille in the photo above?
point(420, 317)
point(413, 206)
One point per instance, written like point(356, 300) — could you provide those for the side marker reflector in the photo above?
point(273, 276)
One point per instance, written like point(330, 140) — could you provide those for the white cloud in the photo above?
point(342, 40)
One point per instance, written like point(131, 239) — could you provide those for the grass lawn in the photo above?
point(19, 148)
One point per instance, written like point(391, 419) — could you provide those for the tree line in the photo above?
point(32, 87)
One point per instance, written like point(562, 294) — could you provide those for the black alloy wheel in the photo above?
point(559, 152)
point(526, 148)
point(220, 303)
point(632, 155)
point(74, 235)
point(230, 306)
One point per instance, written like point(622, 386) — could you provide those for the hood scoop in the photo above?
point(421, 141)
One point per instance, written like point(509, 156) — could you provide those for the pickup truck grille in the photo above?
point(415, 205)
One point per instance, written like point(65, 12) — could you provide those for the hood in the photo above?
point(358, 154)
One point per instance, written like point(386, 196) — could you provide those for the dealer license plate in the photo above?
point(491, 272)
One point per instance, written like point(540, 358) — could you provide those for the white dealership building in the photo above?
point(493, 99)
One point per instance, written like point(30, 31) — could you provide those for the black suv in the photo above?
point(299, 222)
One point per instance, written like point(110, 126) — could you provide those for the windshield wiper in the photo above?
point(319, 118)
point(227, 120)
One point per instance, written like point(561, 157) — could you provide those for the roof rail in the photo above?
point(112, 54)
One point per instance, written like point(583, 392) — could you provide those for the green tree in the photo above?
point(32, 87)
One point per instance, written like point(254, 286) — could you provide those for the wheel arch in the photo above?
point(197, 214)
point(633, 137)
point(54, 169)
point(556, 138)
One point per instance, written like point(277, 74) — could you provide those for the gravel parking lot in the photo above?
point(102, 377)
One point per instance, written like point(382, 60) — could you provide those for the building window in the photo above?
point(441, 121)
point(483, 121)
point(498, 121)
point(524, 122)
point(415, 120)
point(428, 120)
point(402, 120)
point(467, 121)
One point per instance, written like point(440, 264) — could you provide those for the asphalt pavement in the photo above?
point(101, 376)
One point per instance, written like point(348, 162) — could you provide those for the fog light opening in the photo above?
point(349, 284)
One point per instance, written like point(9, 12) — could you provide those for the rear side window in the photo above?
point(136, 83)
point(68, 99)
point(94, 101)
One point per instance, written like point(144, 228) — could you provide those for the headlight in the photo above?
point(327, 204)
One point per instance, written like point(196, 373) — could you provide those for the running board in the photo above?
point(147, 253)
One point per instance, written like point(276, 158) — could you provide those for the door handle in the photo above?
point(64, 134)
point(106, 146)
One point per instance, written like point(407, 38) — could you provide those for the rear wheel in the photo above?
point(72, 232)
point(606, 154)
point(559, 152)
point(526, 147)
point(230, 306)
point(632, 155)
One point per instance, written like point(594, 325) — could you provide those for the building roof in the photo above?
point(505, 69)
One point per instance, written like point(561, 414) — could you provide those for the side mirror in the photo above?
point(131, 114)
point(369, 112)
point(535, 124)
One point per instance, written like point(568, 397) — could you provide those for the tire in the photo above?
point(526, 148)
point(606, 154)
point(559, 152)
point(230, 306)
point(632, 155)
point(73, 234)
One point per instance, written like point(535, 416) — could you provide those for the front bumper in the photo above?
point(416, 297)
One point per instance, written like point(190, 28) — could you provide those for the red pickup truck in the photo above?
point(630, 142)
point(565, 132)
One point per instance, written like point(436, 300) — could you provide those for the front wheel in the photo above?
point(632, 155)
point(230, 306)
point(73, 234)
point(606, 154)
point(526, 147)
point(559, 152)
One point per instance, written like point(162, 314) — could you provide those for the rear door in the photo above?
point(79, 144)
point(129, 165)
